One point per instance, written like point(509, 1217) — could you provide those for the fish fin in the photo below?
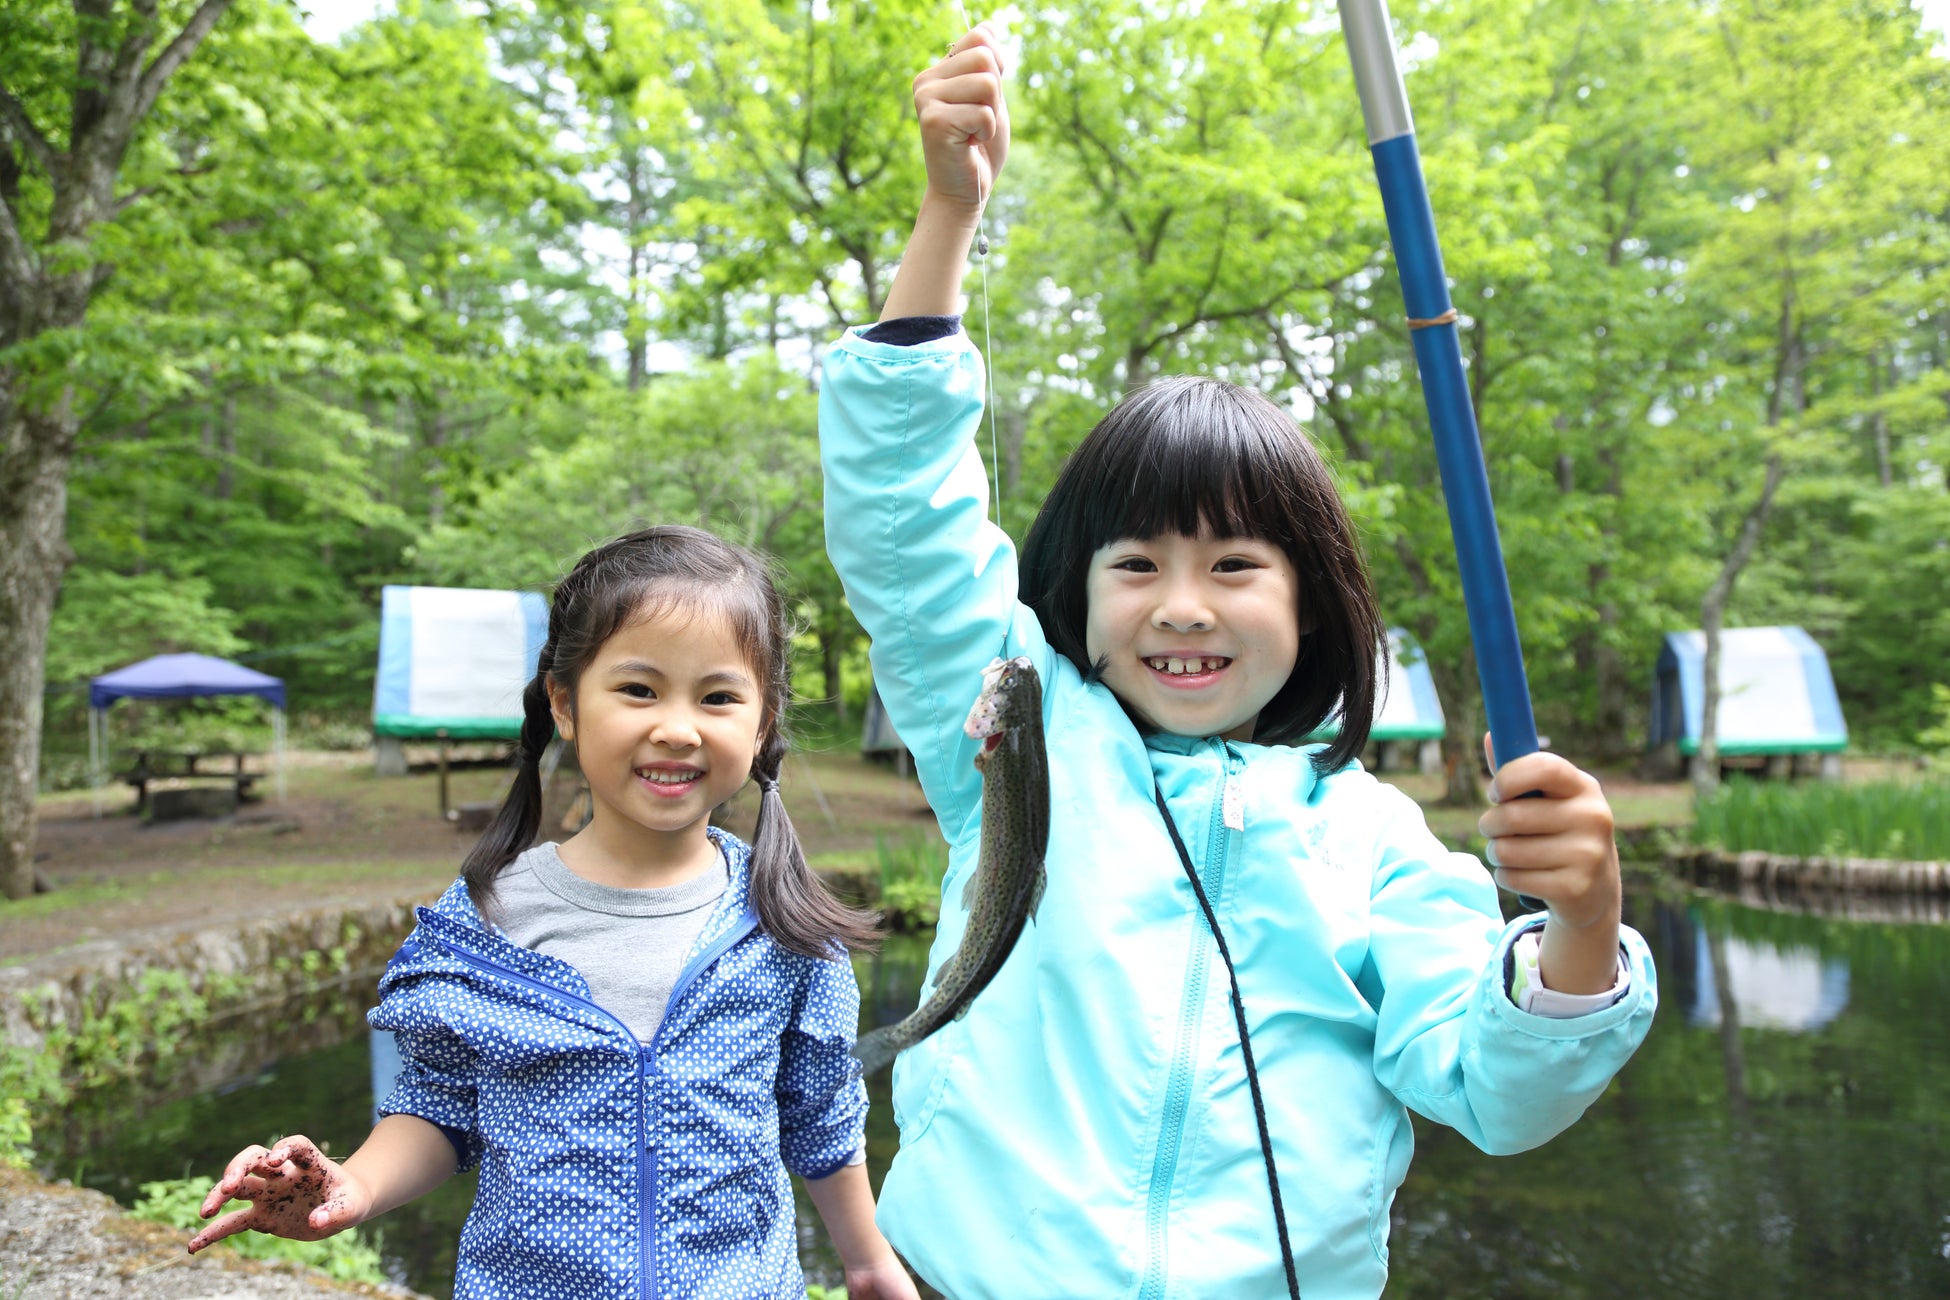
point(968, 887)
point(941, 975)
point(1036, 895)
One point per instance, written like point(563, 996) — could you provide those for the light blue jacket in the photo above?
point(613, 1169)
point(1086, 1130)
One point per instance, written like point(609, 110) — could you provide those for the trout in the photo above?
point(1007, 884)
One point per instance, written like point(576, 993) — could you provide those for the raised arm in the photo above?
point(928, 576)
point(964, 139)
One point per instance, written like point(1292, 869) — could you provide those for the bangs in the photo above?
point(670, 571)
point(1213, 459)
point(740, 604)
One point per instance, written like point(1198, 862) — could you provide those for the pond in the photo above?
point(1784, 1132)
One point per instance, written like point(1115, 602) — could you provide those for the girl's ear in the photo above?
point(561, 705)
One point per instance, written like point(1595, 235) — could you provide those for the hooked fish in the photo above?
point(1007, 884)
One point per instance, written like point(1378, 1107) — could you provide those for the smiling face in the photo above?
point(667, 719)
point(1197, 633)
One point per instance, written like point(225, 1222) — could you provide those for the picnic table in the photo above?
point(189, 763)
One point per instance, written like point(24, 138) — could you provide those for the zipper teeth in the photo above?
point(647, 1285)
point(646, 1173)
point(1177, 1102)
point(1178, 1092)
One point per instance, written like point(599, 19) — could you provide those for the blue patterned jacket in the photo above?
point(610, 1168)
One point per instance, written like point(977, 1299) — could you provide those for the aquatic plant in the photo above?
point(347, 1255)
point(1871, 820)
point(133, 1035)
point(910, 878)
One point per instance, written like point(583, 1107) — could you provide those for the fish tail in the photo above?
point(877, 1050)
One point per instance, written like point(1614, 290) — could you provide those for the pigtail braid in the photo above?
point(520, 816)
point(793, 906)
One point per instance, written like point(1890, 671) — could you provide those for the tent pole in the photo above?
point(277, 748)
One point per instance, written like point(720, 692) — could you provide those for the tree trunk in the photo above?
point(831, 643)
point(1732, 1061)
point(1712, 611)
point(114, 91)
point(636, 329)
point(1607, 666)
point(34, 459)
point(1885, 471)
point(227, 449)
point(1457, 686)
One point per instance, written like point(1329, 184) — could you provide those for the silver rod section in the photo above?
point(1371, 45)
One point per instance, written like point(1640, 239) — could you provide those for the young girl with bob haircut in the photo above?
point(1251, 959)
point(636, 1033)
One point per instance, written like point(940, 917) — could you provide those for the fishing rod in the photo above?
point(1445, 389)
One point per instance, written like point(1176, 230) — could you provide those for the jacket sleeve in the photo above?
point(437, 1078)
point(929, 576)
point(822, 1097)
point(1449, 1042)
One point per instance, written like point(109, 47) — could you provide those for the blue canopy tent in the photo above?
point(1777, 696)
point(177, 677)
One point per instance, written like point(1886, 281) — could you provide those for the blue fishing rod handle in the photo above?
point(1459, 453)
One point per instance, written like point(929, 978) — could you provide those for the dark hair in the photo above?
point(645, 574)
point(1185, 455)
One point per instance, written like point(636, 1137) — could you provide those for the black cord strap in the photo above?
point(1245, 1044)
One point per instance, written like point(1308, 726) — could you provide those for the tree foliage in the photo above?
point(477, 285)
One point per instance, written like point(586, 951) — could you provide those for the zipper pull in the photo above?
point(1234, 803)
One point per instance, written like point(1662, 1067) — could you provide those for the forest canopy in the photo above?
point(449, 297)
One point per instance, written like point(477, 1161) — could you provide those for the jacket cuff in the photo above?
point(907, 331)
point(1527, 989)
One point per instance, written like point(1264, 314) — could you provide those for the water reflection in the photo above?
point(1762, 986)
point(1784, 1132)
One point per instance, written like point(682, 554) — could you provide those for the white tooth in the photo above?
point(1175, 666)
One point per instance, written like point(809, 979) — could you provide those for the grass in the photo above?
point(1872, 820)
point(911, 867)
point(208, 880)
point(349, 1256)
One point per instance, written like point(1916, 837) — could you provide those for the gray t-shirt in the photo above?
point(630, 944)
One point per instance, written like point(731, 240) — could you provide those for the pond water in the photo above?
point(1784, 1132)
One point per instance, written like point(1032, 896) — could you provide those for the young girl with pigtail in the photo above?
point(638, 1032)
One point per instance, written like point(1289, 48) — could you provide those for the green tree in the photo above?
point(1819, 141)
point(97, 70)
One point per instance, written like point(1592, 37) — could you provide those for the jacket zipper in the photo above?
point(1178, 1089)
point(744, 925)
point(646, 1170)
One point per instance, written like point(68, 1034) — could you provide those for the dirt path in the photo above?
point(343, 837)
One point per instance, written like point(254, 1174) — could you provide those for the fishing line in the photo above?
point(988, 347)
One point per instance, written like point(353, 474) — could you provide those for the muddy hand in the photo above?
point(295, 1191)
